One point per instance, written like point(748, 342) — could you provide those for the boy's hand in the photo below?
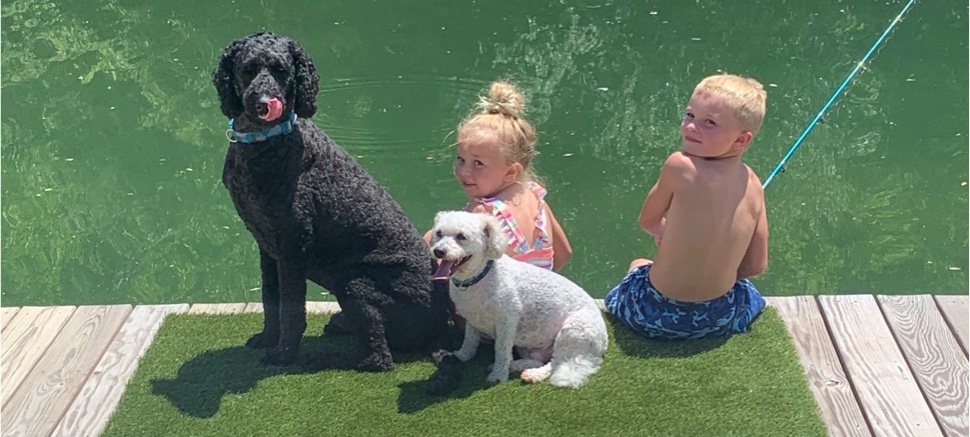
point(656, 240)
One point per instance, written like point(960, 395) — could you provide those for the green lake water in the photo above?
point(113, 142)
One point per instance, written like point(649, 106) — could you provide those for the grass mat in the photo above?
point(197, 378)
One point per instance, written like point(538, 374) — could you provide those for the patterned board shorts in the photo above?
point(642, 308)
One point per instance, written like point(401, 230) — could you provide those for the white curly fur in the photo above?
point(556, 326)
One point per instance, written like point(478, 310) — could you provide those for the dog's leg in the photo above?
point(469, 346)
point(292, 311)
point(504, 342)
point(338, 325)
point(369, 328)
point(271, 304)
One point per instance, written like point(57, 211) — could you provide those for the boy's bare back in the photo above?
point(707, 210)
point(715, 231)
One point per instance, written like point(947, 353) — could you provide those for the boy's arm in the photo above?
point(755, 259)
point(658, 200)
point(560, 244)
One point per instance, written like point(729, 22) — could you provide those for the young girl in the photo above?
point(493, 166)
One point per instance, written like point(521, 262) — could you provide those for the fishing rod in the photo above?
point(781, 165)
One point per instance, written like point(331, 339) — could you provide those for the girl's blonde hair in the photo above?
point(498, 119)
point(744, 96)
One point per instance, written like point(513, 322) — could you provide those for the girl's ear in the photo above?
point(513, 173)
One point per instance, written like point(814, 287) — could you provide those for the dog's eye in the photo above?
point(439, 234)
point(251, 69)
point(460, 237)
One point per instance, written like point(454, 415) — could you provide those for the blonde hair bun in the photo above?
point(503, 99)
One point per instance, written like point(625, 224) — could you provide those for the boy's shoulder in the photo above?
point(679, 164)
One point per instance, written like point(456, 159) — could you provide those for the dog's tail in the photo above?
point(574, 371)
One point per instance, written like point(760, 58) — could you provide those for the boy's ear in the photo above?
point(744, 139)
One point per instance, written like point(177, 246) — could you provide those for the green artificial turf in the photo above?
point(198, 379)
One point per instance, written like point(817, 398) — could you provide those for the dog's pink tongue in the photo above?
point(274, 109)
point(444, 271)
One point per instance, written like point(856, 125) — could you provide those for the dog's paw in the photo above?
point(464, 355)
point(497, 377)
point(440, 356)
point(531, 376)
point(376, 362)
point(262, 340)
point(279, 357)
point(447, 377)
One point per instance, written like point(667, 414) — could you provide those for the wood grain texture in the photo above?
point(887, 391)
point(88, 414)
point(41, 400)
point(956, 310)
point(7, 313)
point(217, 308)
point(25, 340)
point(935, 358)
point(826, 378)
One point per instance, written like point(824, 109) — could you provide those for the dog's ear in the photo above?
point(439, 215)
point(222, 78)
point(495, 239)
point(307, 82)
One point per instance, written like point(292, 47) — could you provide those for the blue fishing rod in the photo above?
point(818, 118)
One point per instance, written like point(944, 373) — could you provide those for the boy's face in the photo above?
point(710, 130)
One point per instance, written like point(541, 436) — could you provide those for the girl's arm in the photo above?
point(560, 244)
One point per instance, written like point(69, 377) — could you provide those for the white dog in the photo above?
point(556, 326)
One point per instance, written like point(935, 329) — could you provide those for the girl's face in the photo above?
point(481, 169)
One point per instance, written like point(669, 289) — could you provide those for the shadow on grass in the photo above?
point(204, 380)
point(413, 396)
point(635, 345)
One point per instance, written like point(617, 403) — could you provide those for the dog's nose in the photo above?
point(438, 253)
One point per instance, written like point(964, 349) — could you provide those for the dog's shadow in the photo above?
point(204, 381)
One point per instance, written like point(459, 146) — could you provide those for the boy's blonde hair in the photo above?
point(744, 96)
point(498, 118)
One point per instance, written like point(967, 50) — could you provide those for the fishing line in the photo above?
point(818, 118)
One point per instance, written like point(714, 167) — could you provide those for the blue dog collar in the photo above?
point(473, 281)
point(285, 127)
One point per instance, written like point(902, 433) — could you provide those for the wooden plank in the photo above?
point(39, 403)
point(254, 307)
point(887, 391)
point(88, 414)
point(217, 308)
point(322, 307)
point(826, 378)
point(7, 313)
point(935, 358)
point(956, 309)
point(30, 332)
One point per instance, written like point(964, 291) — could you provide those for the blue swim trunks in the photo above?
point(641, 307)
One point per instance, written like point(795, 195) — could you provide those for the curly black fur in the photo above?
point(316, 214)
point(448, 375)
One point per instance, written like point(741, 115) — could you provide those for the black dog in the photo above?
point(316, 214)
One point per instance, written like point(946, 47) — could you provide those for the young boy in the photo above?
point(707, 215)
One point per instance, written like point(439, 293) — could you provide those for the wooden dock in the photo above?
point(877, 365)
